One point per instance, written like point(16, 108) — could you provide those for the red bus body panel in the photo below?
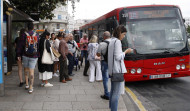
point(156, 67)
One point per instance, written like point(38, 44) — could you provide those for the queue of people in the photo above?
point(31, 49)
point(105, 59)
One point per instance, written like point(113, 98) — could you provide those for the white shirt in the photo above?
point(56, 44)
point(92, 50)
point(115, 49)
point(70, 46)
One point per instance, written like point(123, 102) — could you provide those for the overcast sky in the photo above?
point(91, 9)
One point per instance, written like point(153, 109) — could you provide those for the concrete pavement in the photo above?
point(75, 95)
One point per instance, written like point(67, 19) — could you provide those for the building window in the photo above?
point(59, 17)
point(58, 26)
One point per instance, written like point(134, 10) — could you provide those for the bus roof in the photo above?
point(114, 12)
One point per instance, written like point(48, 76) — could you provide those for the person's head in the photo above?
point(85, 36)
point(30, 26)
point(70, 36)
point(120, 32)
point(60, 35)
point(52, 36)
point(106, 35)
point(47, 34)
point(66, 37)
point(22, 32)
point(94, 39)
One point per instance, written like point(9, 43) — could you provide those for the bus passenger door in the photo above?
point(111, 24)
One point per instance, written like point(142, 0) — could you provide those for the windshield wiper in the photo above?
point(168, 50)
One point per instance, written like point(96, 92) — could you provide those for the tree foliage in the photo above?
point(188, 29)
point(43, 7)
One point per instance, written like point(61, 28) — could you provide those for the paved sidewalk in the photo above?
point(75, 95)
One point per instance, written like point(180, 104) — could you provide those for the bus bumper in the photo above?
point(143, 77)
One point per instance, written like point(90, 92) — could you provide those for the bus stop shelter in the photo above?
point(12, 20)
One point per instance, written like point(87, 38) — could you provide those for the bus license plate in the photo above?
point(160, 76)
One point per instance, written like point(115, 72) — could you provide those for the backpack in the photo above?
point(31, 44)
point(106, 54)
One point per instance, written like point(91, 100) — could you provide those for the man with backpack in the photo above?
point(103, 52)
point(28, 46)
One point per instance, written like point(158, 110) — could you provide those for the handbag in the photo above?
point(97, 58)
point(56, 53)
point(52, 55)
point(46, 57)
point(117, 77)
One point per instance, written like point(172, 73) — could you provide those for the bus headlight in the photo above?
point(139, 70)
point(133, 71)
point(178, 67)
point(183, 66)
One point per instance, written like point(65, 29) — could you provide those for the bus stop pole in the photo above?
point(1, 50)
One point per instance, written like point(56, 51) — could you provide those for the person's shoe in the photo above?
point(48, 85)
point(63, 81)
point(104, 97)
point(27, 87)
point(71, 74)
point(30, 91)
point(68, 79)
point(55, 75)
point(21, 84)
point(85, 74)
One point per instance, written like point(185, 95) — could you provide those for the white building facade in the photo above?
point(61, 22)
point(58, 23)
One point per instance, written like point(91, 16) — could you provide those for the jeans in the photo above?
point(105, 77)
point(84, 54)
point(114, 95)
point(29, 62)
point(71, 63)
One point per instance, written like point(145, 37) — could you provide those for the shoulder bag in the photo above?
point(46, 57)
point(56, 53)
point(117, 77)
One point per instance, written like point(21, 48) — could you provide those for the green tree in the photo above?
point(188, 29)
point(43, 7)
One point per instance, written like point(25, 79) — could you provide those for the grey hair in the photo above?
point(67, 35)
point(84, 34)
point(106, 34)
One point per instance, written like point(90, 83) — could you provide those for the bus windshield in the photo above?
point(154, 32)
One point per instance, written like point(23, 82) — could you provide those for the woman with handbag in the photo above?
point(94, 60)
point(116, 66)
point(45, 62)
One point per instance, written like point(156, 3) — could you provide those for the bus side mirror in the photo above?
point(184, 20)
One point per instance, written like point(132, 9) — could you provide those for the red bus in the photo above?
point(158, 34)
